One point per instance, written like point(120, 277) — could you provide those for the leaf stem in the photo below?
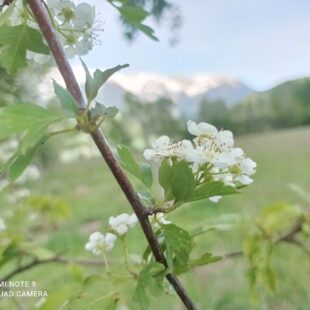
point(126, 257)
point(54, 133)
point(106, 263)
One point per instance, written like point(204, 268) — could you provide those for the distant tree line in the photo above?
point(287, 105)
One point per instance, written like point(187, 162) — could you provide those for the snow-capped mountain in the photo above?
point(186, 92)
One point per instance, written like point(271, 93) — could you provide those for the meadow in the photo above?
point(283, 158)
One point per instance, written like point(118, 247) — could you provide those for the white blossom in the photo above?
point(163, 147)
point(159, 218)
point(85, 15)
point(247, 168)
point(120, 224)
point(202, 129)
point(225, 140)
point(211, 155)
point(77, 25)
point(99, 243)
point(215, 198)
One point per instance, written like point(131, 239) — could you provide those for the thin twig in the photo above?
point(55, 259)
point(287, 237)
point(66, 71)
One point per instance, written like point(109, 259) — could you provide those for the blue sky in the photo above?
point(261, 42)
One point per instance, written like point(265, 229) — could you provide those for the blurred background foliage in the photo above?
point(53, 212)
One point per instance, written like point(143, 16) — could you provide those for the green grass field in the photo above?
point(283, 158)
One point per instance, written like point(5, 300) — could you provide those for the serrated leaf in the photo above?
point(93, 84)
point(32, 137)
point(133, 14)
point(141, 171)
point(5, 165)
point(147, 30)
point(66, 99)
point(40, 253)
point(177, 180)
point(146, 196)
point(11, 252)
point(180, 244)
point(94, 295)
point(205, 259)
point(18, 118)
point(128, 161)
point(15, 41)
point(146, 174)
point(278, 218)
point(251, 247)
point(182, 182)
point(101, 110)
point(21, 162)
point(150, 281)
point(164, 177)
point(213, 188)
point(7, 13)
point(269, 278)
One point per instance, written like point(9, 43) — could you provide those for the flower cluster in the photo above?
point(76, 25)
point(118, 226)
point(211, 154)
point(99, 243)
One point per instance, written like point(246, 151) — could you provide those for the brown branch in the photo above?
point(287, 237)
point(56, 259)
point(66, 71)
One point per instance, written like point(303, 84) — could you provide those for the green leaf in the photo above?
point(146, 174)
point(141, 171)
point(251, 247)
point(7, 164)
point(39, 252)
point(269, 278)
point(179, 244)
point(18, 118)
point(182, 182)
point(150, 281)
point(66, 99)
point(128, 161)
point(278, 218)
point(164, 177)
point(21, 162)
point(15, 41)
point(11, 252)
point(147, 30)
point(205, 259)
point(177, 180)
point(32, 137)
point(133, 14)
point(101, 110)
point(7, 13)
point(213, 188)
point(97, 293)
point(93, 84)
